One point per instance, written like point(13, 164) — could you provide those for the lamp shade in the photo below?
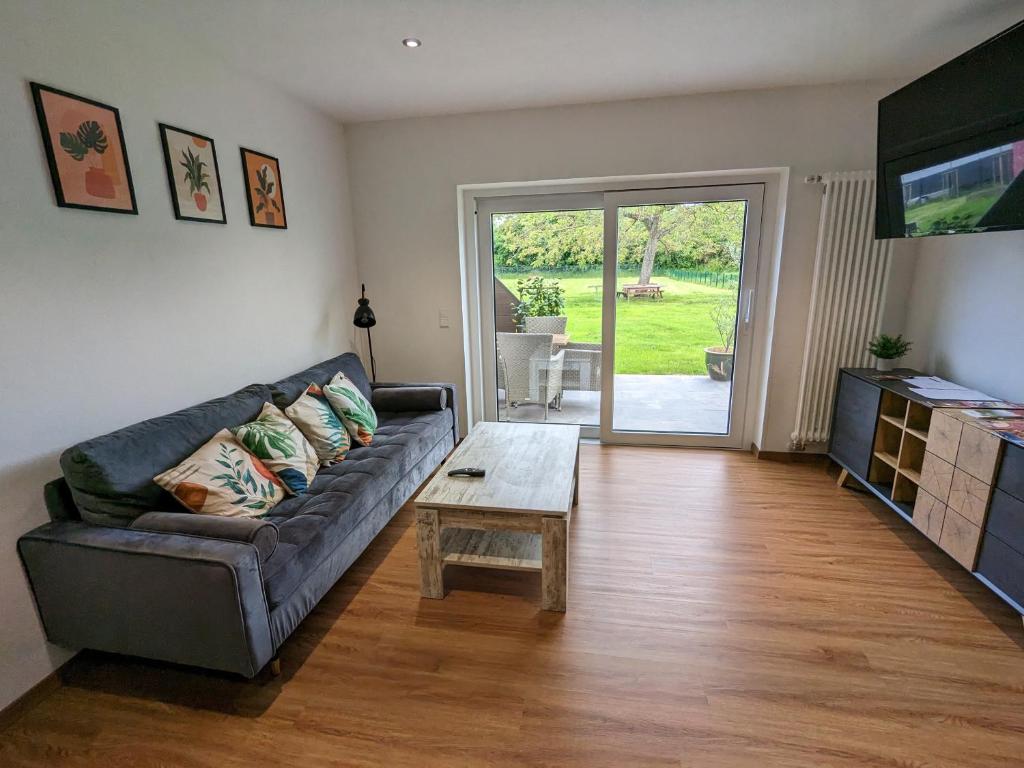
point(364, 317)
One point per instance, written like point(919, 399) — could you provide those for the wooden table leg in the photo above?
point(554, 566)
point(576, 478)
point(428, 544)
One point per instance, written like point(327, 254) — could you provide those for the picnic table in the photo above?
point(651, 291)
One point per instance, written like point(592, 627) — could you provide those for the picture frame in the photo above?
point(263, 189)
point(187, 157)
point(85, 150)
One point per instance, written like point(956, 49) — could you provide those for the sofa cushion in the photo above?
point(313, 525)
point(111, 477)
point(275, 440)
point(249, 530)
point(222, 478)
point(354, 409)
point(322, 427)
point(410, 399)
point(287, 391)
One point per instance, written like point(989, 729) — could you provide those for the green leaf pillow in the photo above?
point(355, 410)
point(278, 443)
point(222, 478)
point(315, 418)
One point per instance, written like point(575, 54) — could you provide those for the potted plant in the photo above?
point(719, 359)
point(538, 297)
point(196, 176)
point(888, 349)
point(90, 136)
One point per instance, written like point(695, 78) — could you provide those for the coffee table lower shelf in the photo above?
point(509, 550)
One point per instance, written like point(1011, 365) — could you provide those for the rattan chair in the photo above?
point(581, 371)
point(545, 324)
point(532, 375)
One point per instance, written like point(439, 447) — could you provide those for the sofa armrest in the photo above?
point(398, 399)
point(451, 395)
point(262, 534)
point(185, 599)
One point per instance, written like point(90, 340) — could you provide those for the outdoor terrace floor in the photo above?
point(691, 404)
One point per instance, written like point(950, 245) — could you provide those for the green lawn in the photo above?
point(667, 336)
point(958, 212)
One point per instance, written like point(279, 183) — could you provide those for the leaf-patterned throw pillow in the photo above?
point(222, 478)
point(355, 410)
point(313, 415)
point(278, 443)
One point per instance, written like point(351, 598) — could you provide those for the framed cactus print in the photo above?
point(85, 150)
point(263, 189)
point(193, 174)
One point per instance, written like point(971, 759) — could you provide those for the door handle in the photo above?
point(750, 307)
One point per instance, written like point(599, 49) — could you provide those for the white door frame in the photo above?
point(753, 195)
point(472, 261)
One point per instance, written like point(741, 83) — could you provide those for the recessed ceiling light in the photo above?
point(411, 42)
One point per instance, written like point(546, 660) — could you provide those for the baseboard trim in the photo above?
point(18, 708)
point(789, 457)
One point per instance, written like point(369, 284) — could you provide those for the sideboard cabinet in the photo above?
point(954, 473)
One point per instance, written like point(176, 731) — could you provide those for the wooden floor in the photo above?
point(736, 613)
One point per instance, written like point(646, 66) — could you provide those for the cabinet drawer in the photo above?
point(1011, 472)
point(1006, 519)
point(1003, 566)
point(978, 453)
point(944, 435)
point(969, 496)
point(936, 476)
point(960, 539)
point(929, 513)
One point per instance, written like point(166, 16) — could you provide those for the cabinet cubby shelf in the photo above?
point(888, 458)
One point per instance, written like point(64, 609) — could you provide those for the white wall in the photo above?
point(106, 319)
point(404, 174)
point(966, 312)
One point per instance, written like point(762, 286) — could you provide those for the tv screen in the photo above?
point(951, 146)
point(973, 192)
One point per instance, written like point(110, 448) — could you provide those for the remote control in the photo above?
point(467, 472)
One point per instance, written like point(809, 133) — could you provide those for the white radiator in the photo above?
point(851, 274)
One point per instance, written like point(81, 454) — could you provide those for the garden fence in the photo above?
point(713, 279)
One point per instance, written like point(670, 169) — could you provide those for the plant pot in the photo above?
point(886, 363)
point(200, 199)
point(99, 184)
point(268, 217)
point(719, 363)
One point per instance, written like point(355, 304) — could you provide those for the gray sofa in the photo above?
point(123, 568)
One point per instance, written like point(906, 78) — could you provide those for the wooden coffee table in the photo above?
point(515, 518)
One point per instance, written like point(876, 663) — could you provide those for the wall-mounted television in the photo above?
point(951, 146)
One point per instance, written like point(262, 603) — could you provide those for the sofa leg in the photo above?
point(275, 666)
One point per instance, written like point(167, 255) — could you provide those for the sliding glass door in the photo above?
point(678, 313)
point(628, 312)
point(543, 268)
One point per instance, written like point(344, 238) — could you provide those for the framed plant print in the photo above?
point(85, 149)
point(263, 190)
point(193, 174)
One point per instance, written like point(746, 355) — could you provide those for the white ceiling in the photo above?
point(346, 57)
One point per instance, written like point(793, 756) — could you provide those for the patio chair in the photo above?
point(532, 374)
point(581, 371)
point(545, 324)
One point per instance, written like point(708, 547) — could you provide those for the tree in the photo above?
point(659, 222)
point(702, 236)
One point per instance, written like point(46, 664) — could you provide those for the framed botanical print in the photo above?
point(85, 149)
point(263, 190)
point(193, 174)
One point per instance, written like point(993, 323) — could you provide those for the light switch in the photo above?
point(442, 319)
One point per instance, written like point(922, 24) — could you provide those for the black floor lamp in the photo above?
point(364, 318)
